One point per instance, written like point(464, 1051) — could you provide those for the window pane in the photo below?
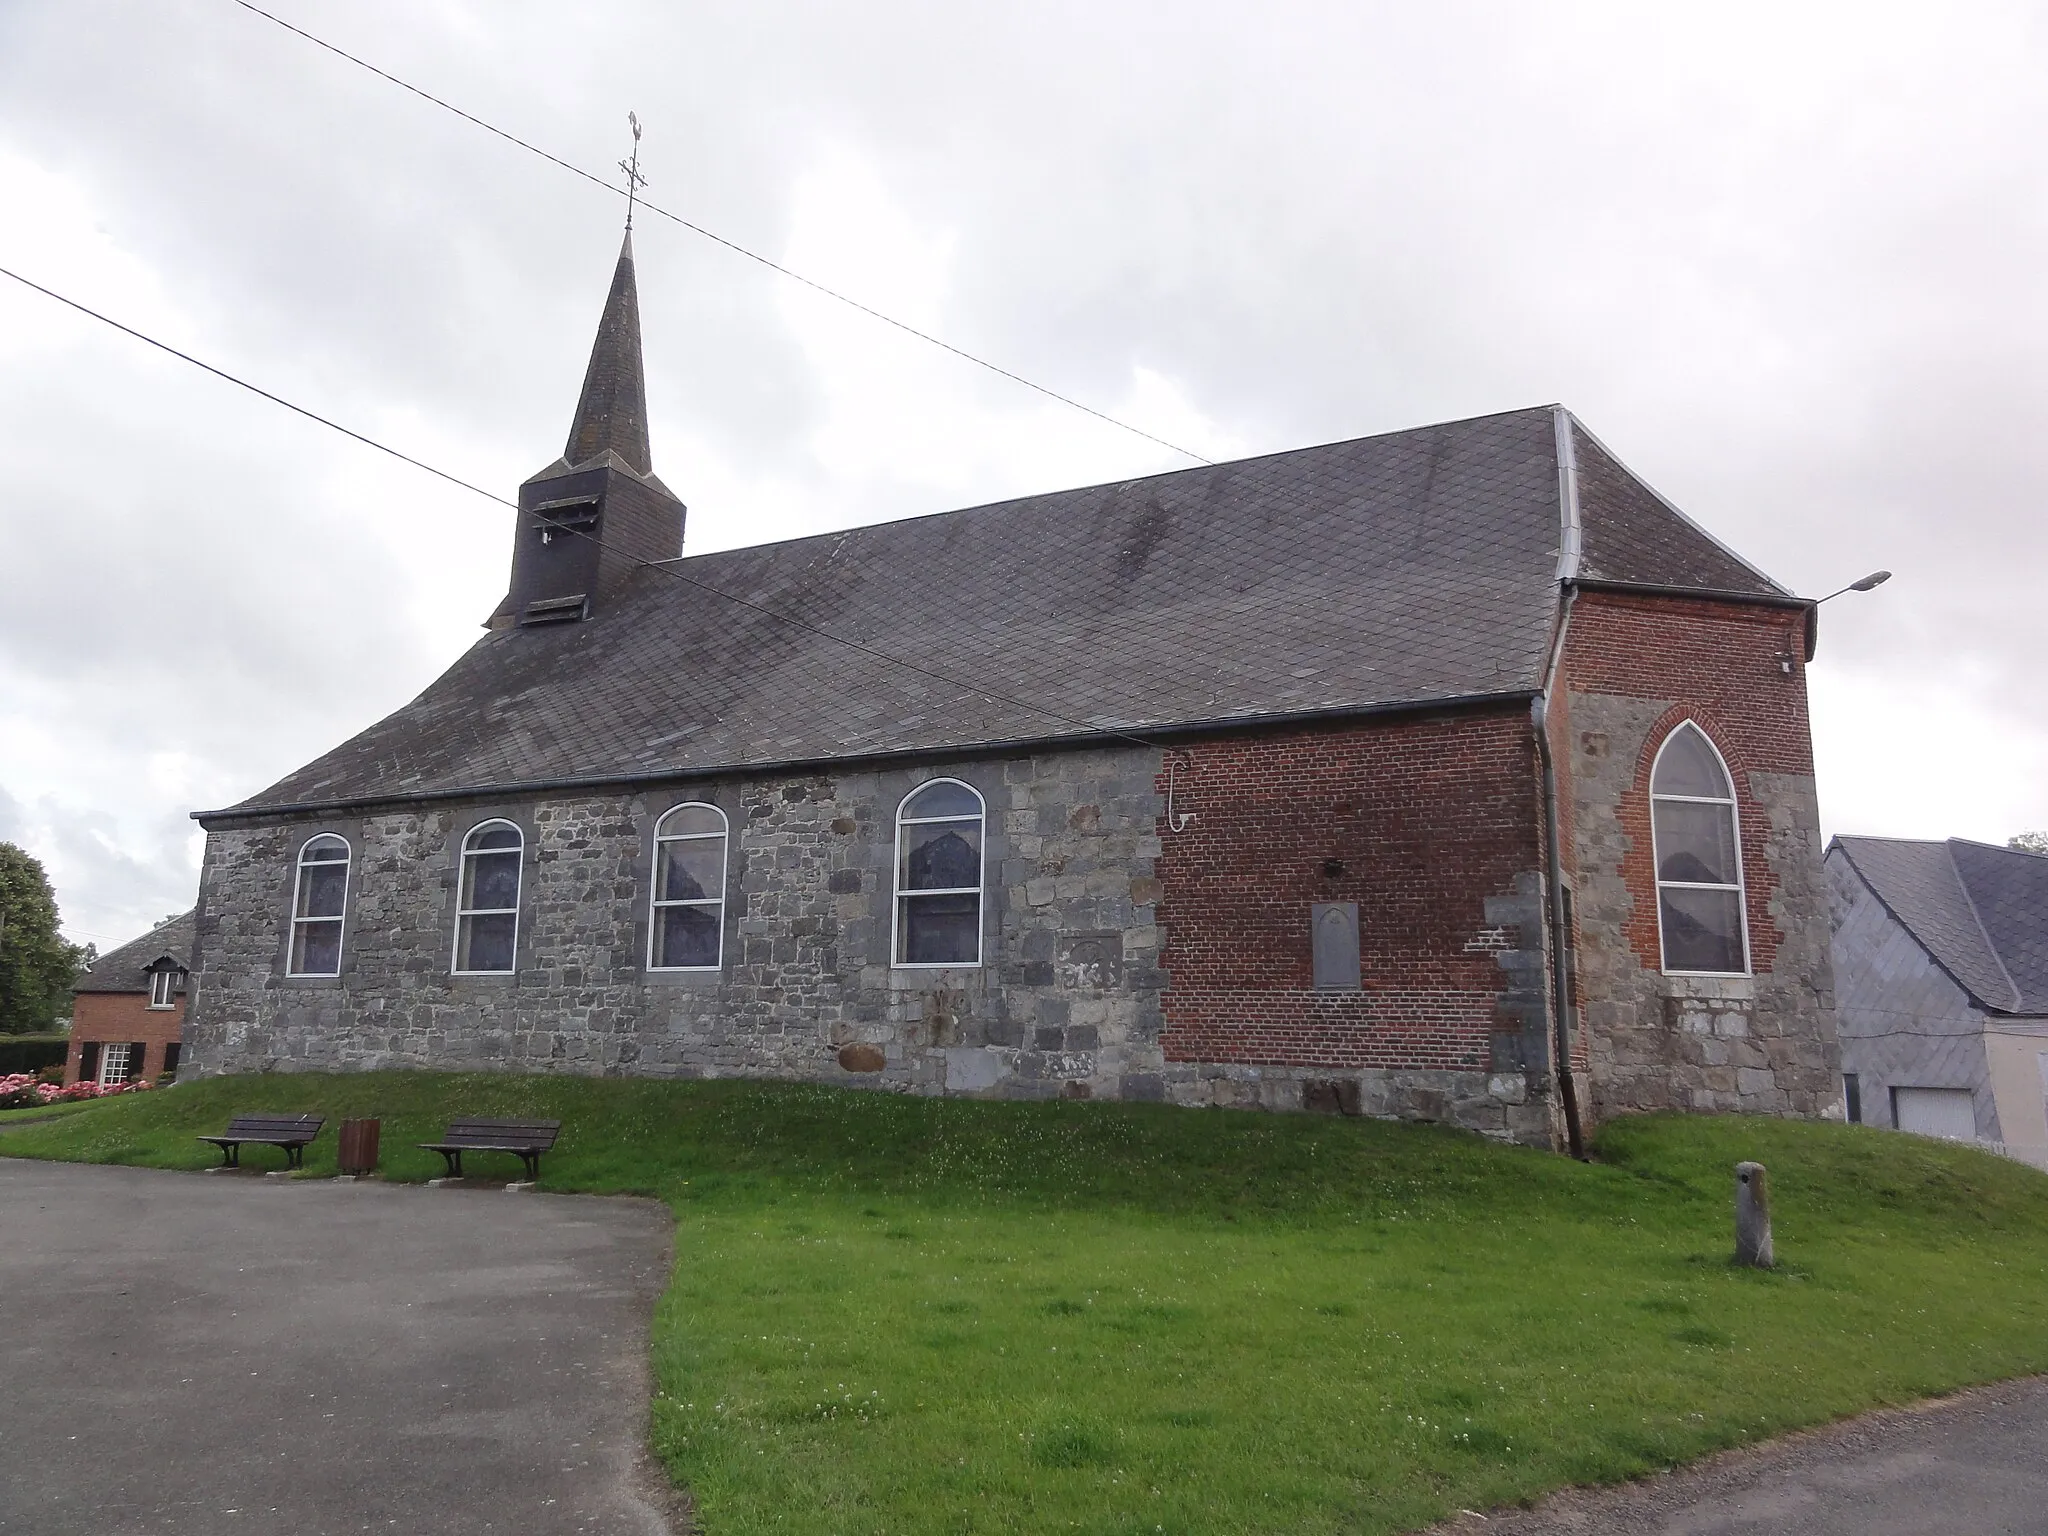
point(316, 949)
point(942, 800)
point(687, 935)
point(947, 853)
point(322, 849)
point(487, 943)
point(113, 1064)
point(1702, 931)
point(494, 837)
point(321, 888)
point(941, 930)
point(690, 871)
point(688, 820)
point(1695, 842)
point(492, 880)
point(1687, 766)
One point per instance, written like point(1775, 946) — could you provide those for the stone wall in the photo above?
point(1067, 1003)
point(1636, 668)
point(1450, 1025)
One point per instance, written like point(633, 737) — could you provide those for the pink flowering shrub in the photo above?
point(23, 1091)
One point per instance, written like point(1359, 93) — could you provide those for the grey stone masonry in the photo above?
point(1066, 1001)
point(1065, 1004)
point(1758, 1044)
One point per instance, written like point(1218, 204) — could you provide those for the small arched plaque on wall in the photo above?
point(1333, 928)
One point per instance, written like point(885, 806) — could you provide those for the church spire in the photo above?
point(612, 411)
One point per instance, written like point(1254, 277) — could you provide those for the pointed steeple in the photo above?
point(611, 413)
point(597, 515)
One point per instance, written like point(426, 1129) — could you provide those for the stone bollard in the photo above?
point(1752, 1216)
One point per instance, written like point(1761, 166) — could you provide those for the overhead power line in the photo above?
point(730, 245)
point(774, 615)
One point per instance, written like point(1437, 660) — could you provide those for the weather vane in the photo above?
point(634, 180)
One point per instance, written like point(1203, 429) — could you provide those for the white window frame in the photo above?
point(1741, 886)
point(107, 1058)
point(348, 874)
point(163, 989)
point(656, 905)
point(898, 893)
point(462, 883)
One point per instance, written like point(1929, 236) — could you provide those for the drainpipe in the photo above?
point(1570, 543)
point(1567, 1088)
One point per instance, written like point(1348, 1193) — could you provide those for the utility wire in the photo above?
point(733, 246)
point(1093, 728)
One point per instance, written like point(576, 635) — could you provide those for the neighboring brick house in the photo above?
point(1231, 786)
point(1941, 958)
point(128, 1009)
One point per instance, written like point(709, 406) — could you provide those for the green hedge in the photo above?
point(31, 1053)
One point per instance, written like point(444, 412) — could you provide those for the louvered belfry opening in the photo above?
point(589, 519)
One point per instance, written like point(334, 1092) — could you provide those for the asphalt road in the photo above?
point(1971, 1465)
point(183, 1353)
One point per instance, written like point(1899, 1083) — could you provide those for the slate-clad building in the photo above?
point(1942, 953)
point(1333, 778)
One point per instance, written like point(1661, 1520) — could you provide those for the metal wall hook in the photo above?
point(1176, 823)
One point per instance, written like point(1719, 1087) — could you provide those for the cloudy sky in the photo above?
point(1787, 261)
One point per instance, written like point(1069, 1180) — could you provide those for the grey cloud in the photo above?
point(1796, 287)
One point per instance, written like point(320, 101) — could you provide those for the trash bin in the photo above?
point(359, 1145)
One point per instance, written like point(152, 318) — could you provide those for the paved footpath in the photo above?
point(1971, 1465)
point(231, 1354)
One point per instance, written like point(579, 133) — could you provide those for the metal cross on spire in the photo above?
point(634, 180)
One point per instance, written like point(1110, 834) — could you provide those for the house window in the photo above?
point(114, 1063)
point(163, 988)
point(938, 875)
point(487, 912)
point(688, 914)
point(317, 906)
point(1698, 852)
point(1852, 1098)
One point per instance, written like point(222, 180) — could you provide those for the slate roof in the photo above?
point(1415, 567)
point(127, 969)
point(1980, 911)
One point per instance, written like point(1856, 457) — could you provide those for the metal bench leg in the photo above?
point(532, 1161)
point(454, 1162)
point(231, 1154)
point(294, 1156)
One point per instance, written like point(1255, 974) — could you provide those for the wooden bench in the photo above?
point(292, 1132)
point(526, 1139)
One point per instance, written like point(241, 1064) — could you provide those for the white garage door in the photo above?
point(1936, 1112)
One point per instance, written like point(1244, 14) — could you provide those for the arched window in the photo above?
point(487, 913)
point(938, 875)
point(317, 905)
point(688, 916)
point(1698, 850)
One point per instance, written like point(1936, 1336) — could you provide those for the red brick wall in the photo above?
point(1430, 814)
point(116, 1016)
point(1720, 663)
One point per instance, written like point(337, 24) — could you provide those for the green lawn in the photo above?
point(899, 1315)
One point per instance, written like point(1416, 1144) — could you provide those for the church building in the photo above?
point(1450, 774)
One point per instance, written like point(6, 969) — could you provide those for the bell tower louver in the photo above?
point(589, 518)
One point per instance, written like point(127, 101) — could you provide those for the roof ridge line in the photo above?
point(1571, 538)
point(2019, 998)
point(1676, 511)
point(1115, 484)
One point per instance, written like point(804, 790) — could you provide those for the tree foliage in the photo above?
point(2030, 842)
point(36, 965)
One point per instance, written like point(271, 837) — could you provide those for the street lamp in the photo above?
point(1863, 584)
point(1874, 579)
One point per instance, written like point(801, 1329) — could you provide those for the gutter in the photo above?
point(234, 815)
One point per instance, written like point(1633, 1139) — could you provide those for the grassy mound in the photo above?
point(915, 1315)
